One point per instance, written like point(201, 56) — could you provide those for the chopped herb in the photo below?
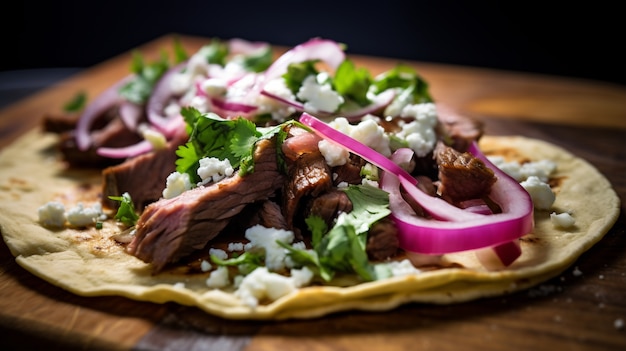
point(297, 73)
point(77, 103)
point(213, 136)
point(342, 248)
point(406, 78)
point(126, 212)
point(352, 83)
point(138, 90)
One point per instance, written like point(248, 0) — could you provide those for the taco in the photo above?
point(260, 189)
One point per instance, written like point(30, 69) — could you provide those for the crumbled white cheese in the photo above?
point(179, 285)
point(367, 132)
point(176, 184)
point(214, 86)
point(205, 266)
point(318, 96)
point(198, 63)
point(394, 109)
point(402, 268)
point(218, 278)
point(563, 220)
point(219, 253)
point(181, 83)
point(214, 169)
point(200, 103)
point(334, 154)
point(235, 247)
point(420, 133)
point(541, 169)
point(540, 192)
point(80, 216)
point(52, 214)
point(273, 106)
point(262, 283)
point(265, 238)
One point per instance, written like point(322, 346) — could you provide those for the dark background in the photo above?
point(583, 40)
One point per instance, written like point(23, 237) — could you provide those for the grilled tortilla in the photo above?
point(89, 262)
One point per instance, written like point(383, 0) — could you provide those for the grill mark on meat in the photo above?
point(170, 229)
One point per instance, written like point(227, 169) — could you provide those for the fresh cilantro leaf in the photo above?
point(258, 62)
point(352, 83)
point(343, 247)
point(180, 54)
point(215, 52)
point(146, 75)
point(77, 103)
point(246, 262)
point(406, 78)
point(126, 212)
point(317, 226)
point(297, 73)
point(213, 136)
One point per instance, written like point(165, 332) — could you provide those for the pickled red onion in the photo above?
point(328, 51)
point(436, 207)
point(127, 151)
point(446, 233)
point(161, 93)
point(102, 103)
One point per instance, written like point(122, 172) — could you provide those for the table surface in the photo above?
point(570, 312)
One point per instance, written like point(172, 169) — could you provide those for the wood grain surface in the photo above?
point(570, 312)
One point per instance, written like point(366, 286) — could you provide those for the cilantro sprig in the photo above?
point(343, 247)
point(126, 212)
point(138, 89)
point(213, 136)
point(414, 87)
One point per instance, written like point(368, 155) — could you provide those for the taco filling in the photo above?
point(262, 178)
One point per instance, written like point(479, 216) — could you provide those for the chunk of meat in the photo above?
point(170, 229)
point(143, 176)
point(329, 205)
point(382, 240)
point(307, 172)
point(350, 172)
point(462, 176)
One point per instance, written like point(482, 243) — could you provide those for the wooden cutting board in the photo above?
point(583, 309)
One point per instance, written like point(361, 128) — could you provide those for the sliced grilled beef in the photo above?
point(461, 175)
point(329, 205)
point(170, 229)
point(143, 176)
point(307, 172)
point(382, 240)
point(350, 172)
point(59, 123)
point(309, 175)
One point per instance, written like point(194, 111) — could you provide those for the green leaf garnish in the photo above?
point(126, 212)
point(213, 136)
point(415, 88)
point(343, 247)
point(352, 83)
point(297, 73)
point(77, 103)
point(138, 90)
